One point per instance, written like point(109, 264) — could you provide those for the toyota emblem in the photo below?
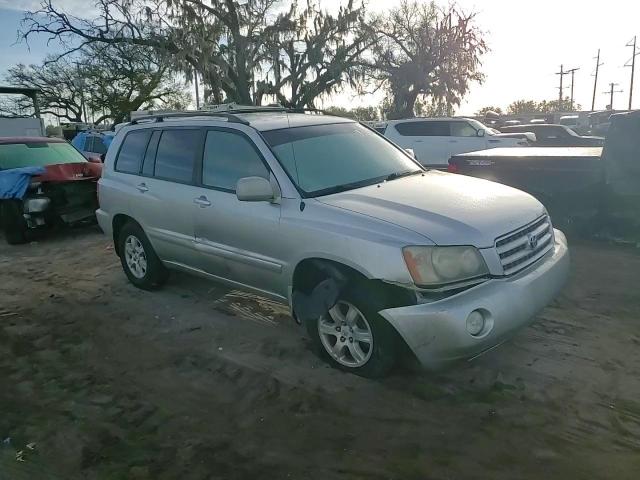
point(533, 242)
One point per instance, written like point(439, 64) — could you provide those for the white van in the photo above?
point(435, 140)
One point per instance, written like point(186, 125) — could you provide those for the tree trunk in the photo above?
point(403, 103)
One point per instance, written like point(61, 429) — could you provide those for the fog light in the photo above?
point(475, 323)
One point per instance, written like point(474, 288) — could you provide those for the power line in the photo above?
point(595, 82)
point(632, 43)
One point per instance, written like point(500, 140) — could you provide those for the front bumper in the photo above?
point(437, 332)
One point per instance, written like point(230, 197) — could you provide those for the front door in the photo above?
point(237, 241)
point(464, 139)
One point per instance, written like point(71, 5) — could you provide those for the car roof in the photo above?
point(8, 140)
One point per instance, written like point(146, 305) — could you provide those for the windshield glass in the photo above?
point(569, 131)
point(17, 155)
point(481, 126)
point(324, 159)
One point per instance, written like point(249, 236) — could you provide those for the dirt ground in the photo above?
point(100, 380)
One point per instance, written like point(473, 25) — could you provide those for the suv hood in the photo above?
point(446, 209)
point(528, 136)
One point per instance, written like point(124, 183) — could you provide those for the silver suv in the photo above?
point(370, 250)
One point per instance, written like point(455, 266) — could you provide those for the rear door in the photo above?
point(238, 241)
point(164, 204)
point(429, 140)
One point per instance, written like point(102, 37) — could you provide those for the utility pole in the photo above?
point(595, 82)
point(633, 68)
point(573, 79)
point(562, 73)
point(611, 92)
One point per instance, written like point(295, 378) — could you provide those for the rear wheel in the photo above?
point(353, 337)
point(139, 261)
point(14, 224)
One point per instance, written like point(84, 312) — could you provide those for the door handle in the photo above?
point(143, 187)
point(202, 201)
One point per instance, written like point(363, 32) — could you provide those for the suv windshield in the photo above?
point(481, 126)
point(17, 155)
point(325, 159)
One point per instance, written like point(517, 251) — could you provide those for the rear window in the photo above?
point(96, 145)
point(18, 155)
point(132, 151)
point(423, 129)
point(176, 154)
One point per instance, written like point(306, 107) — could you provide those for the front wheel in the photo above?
point(353, 337)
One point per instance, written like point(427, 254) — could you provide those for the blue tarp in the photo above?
point(15, 181)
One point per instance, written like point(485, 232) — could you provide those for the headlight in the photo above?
point(433, 266)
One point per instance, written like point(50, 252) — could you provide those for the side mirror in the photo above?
point(481, 133)
point(410, 152)
point(254, 189)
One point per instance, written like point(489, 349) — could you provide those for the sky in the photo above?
point(529, 40)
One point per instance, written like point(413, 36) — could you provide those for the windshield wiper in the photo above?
point(396, 175)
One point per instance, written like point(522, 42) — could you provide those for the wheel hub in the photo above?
point(346, 335)
point(135, 256)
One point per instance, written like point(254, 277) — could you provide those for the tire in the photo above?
point(14, 224)
point(139, 261)
point(379, 358)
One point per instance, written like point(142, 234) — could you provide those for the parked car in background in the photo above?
point(555, 136)
point(93, 145)
point(44, 181)
point(435, 140)
point(369, 249)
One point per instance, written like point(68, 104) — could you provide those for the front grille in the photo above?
point(525, 246)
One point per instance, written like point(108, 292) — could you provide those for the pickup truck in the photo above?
point(577, 185)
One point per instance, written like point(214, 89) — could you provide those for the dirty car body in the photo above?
point(454, 265)
point(63, 190)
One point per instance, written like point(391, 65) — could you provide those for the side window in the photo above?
point(176, 154)
point(150, 157)
point(423, 129)
point(132, 151)
point(98, 146)
point(462, 129)
point(88, 144)
point(228, 157)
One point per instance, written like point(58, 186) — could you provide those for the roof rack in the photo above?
point(161, 116)
point(233, 108)
point(229, 112)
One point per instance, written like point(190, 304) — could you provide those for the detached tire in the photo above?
point(139, 261)
point(353, 337)
point(14, 224)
